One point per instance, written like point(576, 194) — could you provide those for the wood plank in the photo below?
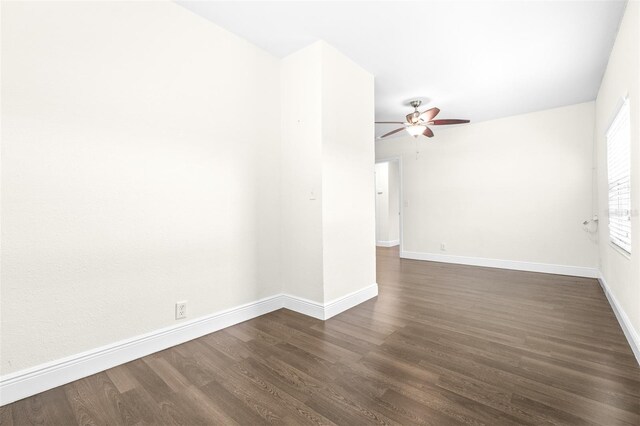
point(441, 344)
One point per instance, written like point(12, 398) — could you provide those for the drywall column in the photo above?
point(301, 173)
point(328, 155)
point(348, 159)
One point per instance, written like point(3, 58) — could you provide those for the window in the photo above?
point(619, 178)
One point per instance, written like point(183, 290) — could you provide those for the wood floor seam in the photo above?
point(442, 344)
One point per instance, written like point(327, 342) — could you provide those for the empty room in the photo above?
point(320, 212)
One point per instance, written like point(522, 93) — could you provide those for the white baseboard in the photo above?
point(391, 243)
point(34, 380)
point(331, 308)
point(303, 306)
point(632, 335)
point(341, 304)
point(31, 381)
point(577, 271)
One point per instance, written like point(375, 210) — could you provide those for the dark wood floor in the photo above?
point(442, 344)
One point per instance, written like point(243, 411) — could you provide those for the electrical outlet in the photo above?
point(181, 309)
point(442, 247)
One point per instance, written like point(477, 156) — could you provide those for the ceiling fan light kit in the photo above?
point(415, 130)
point(417, 122)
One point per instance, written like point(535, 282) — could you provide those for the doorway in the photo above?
point(388, 203)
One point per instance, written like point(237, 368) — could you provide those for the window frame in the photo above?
point(620, 123)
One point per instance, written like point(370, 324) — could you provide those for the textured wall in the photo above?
point(517, 188)
point(132, 176)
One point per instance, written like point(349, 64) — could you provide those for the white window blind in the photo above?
point(619, 178)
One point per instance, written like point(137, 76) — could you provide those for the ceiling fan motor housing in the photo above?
point(414, 117)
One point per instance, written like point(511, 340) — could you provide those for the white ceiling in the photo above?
point(478, 60)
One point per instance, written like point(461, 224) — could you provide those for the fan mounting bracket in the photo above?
point(415, 103)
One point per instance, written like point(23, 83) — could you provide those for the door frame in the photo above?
point(400, 196)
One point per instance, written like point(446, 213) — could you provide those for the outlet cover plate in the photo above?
point(181, 309)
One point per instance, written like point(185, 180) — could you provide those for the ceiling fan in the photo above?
point(417, 122)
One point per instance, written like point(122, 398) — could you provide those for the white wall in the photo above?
point(328, 247)
point(301, 257)
point(149, 157)
point(516, 188)
point(394, 201)
point(387, 203)
point(140, 166)
point(622, 78)
point(348, 157)
point(382, 202)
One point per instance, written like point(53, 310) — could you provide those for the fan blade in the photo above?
point(429, 114)
point(391, 132)
point(427, 132)
point(389, 122)
point(447, 121)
